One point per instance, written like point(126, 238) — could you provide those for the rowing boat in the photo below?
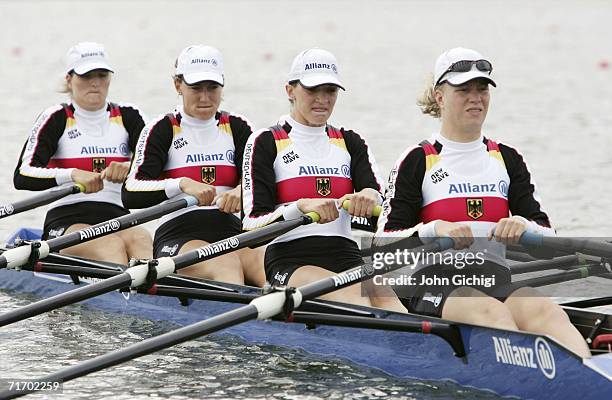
point(508, 363)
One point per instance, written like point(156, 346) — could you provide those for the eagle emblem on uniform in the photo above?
point(324, 186)
point(209, 175)
point(475, 208)
point(98, 164)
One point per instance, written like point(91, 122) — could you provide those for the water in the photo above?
point(553, 102)
point(217, 367)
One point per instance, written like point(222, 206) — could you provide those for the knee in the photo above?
point(112, 245)
point(137, 237)
point(495, 312)
point(109, 248)
point(542, 314)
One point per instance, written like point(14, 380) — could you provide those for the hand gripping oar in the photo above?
point(46, 197)
point(263, 307)
point(149, 272)
point(586, 246)
point(14, 258)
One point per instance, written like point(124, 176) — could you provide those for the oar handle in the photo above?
point(444, 243)
point(315, 217)
point(375, 212)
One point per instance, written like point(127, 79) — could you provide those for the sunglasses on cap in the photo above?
point(465, 66)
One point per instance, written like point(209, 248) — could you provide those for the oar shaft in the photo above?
point(118, 224)
point(63, 269)
point(446, 331)
point(569, 275)
point(246, 239)
point(38, 200)
point(66, 298)
point(586, 246)
point(541, 265)
point(15, 258)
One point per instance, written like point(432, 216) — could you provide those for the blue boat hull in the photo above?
point(507, 363)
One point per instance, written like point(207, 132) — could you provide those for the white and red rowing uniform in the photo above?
point(292, 161)
point(66, 137)
point(475, 184)
point(175, 146)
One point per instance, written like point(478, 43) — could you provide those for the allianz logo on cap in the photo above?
point(93, 54)
point(211, 61)
point(321, 66)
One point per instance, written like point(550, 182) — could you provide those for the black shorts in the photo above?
point(86, 212)
point(207, 225)
point(333, 253)
point(429, 299)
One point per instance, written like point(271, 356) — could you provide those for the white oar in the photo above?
point(263, 307)
point(14, 258)
point(46, 197)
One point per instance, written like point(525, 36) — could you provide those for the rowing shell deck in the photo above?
point(507, 363)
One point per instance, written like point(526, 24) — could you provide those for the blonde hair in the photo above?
point(427, 102)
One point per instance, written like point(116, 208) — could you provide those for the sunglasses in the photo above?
point(466, 65)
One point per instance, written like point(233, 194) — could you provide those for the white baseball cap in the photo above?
point(199, 63)
point(448, 59)
point(314, 67)
point(86, 56)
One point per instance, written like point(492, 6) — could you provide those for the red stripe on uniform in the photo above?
point(279, 134)
point(306, 188)
point(334, 133)
point(456, 210)
point(84, 163)
point(225, 175)
point(491, 145)
point(429, 149)
point(224, 118)
point(115, 112)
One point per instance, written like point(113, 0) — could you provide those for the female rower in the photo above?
point(462, 185)
point(196, 150)
point(306, 165)
point(87, 140)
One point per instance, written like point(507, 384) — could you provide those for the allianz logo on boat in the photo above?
point(540, 356)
